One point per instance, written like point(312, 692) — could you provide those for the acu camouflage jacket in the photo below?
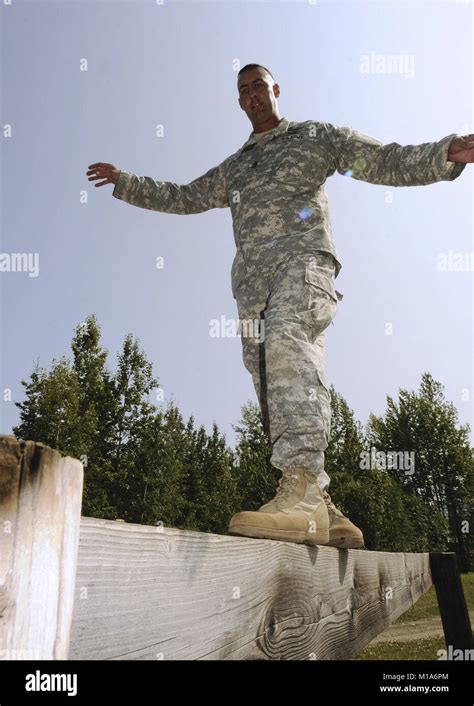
point(274, 187)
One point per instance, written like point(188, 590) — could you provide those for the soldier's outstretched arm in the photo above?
point(206, 192)
point(365, 158)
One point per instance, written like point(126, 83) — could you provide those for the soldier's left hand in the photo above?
point(461, 149)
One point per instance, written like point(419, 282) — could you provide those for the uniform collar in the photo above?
point(281, 127)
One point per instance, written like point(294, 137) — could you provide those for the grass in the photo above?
point(427, 605)
point(426, 648)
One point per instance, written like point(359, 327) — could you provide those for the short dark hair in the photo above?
point(254, 66)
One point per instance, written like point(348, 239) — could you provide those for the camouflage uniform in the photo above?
point(286, 262)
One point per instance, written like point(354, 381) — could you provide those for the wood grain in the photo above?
point(40, 511)
point(160, 593)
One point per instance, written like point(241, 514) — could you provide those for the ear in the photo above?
point(276, 90)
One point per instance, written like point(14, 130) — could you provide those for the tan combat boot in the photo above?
point(343, 534)
point(297, 513)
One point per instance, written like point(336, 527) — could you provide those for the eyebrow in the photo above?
point(244, 85)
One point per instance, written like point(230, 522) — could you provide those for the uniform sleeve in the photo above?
point(363, 157)
point(206, 192)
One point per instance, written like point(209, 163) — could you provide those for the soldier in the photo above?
point(283, 275)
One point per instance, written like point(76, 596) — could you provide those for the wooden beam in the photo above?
point(144, 592)
point(451, 601)
point(160, 593)
point(40, 510)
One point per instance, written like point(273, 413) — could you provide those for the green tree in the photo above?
point(141, 464)
point(96, 387)
point(256, 478)
point(211, 488)
point(156, 471)
point(427, 425)
point(388, 516)
point(85, 411)
point(51, 412)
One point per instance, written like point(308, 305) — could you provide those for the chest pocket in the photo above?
point(240, 172)
point(290, 160)
point(295, 161)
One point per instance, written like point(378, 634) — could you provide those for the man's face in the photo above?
point(258, 95)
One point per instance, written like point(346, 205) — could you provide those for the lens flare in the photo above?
point(306, 212)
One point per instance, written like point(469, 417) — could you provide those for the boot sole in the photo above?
point(255, 532)
point(347, 543)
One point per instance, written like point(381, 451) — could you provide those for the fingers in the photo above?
point(462, 143)
point(100, 165)
point(103, 171)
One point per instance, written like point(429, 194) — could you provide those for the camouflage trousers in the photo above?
point(293, 304)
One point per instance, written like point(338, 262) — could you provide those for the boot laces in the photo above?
point(330, 505)
point(286, 484)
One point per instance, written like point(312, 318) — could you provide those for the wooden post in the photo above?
point(40, 512)
point(451, 600)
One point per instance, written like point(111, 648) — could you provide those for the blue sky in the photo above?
point(175, 64)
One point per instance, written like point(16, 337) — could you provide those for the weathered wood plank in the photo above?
point(161, 593)
point(40, 511)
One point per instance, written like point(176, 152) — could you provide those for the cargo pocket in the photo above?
point(322, 299)
point(238, 273)
point(324, 401)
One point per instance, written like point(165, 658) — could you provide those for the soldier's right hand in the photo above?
point(102, 170)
